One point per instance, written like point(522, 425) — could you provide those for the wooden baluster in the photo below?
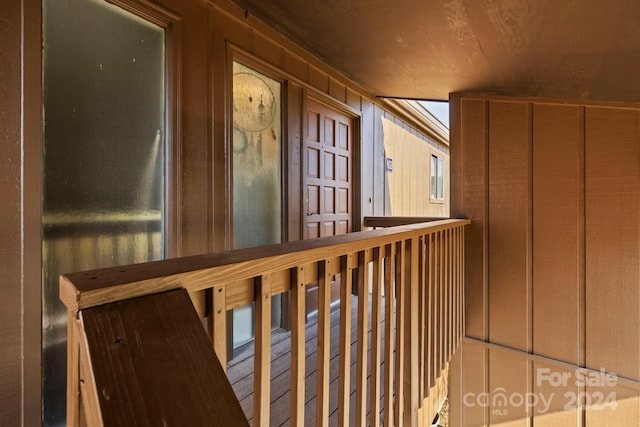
point(298, 329)
point(262, 359)
point(323, 355)
point(447, 296)
point(461, 268)
point(432, 309)
point(462, 284)
point(435, 309)
point(344, 386)
point(422, 320)
point(440, 331)
point(452, 293)
point(389, 276)
point(443, 298)
point(454, 288)
point(456, 269)
point(218, 323)
point(400, 335)
point(411, 279)
point(363, 324)
point(376, 332)
point(443, 301)
point(445, 292)
point(464, 274)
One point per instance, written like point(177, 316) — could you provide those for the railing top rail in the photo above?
point(95, 287)
point(392, 221)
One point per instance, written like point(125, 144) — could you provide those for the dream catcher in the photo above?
point(254, 110)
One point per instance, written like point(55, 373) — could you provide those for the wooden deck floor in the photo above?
point(240, 371)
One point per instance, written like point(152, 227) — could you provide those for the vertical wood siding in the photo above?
point(20, 182)
point(552, 255)
point(10, 213)
point(408, 184)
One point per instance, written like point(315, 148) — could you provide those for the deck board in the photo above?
point(241, 374)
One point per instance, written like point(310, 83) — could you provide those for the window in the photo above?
point(257, 153)
point(104, 157)
point(437, 177)
point(256, 176)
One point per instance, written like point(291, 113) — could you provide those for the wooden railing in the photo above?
point(417, 269)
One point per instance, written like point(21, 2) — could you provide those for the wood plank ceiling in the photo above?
point(578, 49)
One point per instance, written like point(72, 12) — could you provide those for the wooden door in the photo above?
point(327, 181)
point(327, 172)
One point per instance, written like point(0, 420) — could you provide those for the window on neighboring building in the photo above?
point(437, 177)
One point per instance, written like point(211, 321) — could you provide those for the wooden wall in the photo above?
point(552, 261)
point(10, 282)
point(20, 154)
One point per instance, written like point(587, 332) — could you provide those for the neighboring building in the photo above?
point(413, 160)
